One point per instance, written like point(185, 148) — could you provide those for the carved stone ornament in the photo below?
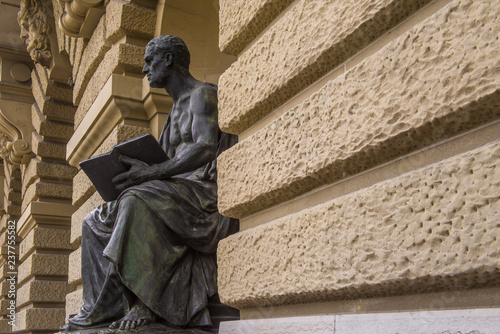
point(80, 17)
point(14, 148)
point(13, 152)
point(35, 29)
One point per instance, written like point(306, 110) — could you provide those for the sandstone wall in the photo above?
point(368, 153)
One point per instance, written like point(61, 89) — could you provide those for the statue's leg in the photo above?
point(103, 296)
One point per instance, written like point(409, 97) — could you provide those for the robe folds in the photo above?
point(157, 242)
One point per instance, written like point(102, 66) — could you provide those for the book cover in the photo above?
point(103, 168)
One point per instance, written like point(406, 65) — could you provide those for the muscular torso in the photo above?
point(181, 122)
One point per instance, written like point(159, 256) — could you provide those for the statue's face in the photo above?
point(30, 35)
point(155, 67)
point(35, 32)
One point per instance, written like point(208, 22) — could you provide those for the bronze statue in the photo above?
point(150, 255)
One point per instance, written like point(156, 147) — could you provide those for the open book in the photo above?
point(103, 168)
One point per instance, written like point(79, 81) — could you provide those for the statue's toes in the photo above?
point(133, 324)
point(113, 325)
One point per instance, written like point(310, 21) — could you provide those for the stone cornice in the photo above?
point(80, 17)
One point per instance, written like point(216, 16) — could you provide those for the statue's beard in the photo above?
point(38, 49)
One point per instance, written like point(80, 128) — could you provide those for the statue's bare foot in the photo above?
point(139, 315)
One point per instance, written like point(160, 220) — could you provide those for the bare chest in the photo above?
point(180, 127)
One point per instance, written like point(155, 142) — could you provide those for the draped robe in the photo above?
point(158, 241)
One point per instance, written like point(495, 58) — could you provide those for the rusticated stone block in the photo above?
point(308, 41)
point(5, 327)
point(81, 44)
point(74, 301)
point(40, 319)
point(58, 111)
point(92, 56)
point(82, 188)
point(128, 20)
point(75, 267)
point(43, 292)
point(43, 264)
point(120, 58)
point(55, 131)
point(45, 238)
point(241, 21)
point(435, 81)
point(79, 215)
point(48, 149)
point(436, 228)
point(47, 170)
point(43, 86)
point(46, 190)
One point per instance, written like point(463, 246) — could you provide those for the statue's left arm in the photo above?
point(190, 154)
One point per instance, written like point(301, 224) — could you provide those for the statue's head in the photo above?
point(35, 29)
point(165, 53)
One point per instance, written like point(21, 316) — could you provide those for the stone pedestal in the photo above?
point(155, 328)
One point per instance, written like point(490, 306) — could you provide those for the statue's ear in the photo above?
point(168, 59)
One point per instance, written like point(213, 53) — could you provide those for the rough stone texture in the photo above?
point(82, 188)
point(74, 301)
point(4, 326)
point(43, 190)
point(75, 267)
point(434, 229)
point(50, 130)
point(129, 20)
point(43, 264)
point(40, 319)
point(47, 149)
point(241, 21)
point(101, 57)
point(45, 238)
point(435, 81)
point(81, 45)
point(120, 58)
point(47, 170)
point(438, 322)
point(77, 217)
point(43, 292)
point(293, 53)
point(92, 56)
point(58, 111)
point(49, 88)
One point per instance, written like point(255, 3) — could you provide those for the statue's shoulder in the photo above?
point(205, 93)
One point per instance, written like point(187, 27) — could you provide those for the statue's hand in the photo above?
point(138, 173)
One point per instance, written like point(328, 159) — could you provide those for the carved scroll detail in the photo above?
point(13, 148)
point(35, 29)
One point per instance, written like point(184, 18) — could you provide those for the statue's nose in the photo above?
point(24, 32)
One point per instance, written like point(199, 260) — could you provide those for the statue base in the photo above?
point(154, 328)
